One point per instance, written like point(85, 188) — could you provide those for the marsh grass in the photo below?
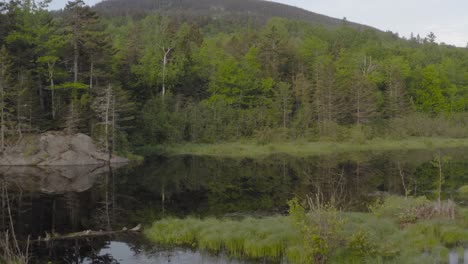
point(350, 237)
point(10, 251)
point(300, 148)
point(265, 238)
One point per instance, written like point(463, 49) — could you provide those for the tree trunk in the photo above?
point(2, 119)
point(52, 87)
point(75, 61)
point(113, 125)
point(358, 110)
point(106, 125)
point(91, 72)
point(166, 54)
point(284, 111)
point(439, 164)
point(18, 105)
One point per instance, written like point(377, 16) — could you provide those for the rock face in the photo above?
point(56, 149)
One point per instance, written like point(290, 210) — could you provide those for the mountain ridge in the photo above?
point(257, 8)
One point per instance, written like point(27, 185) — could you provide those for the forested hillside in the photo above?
point(256, 10)
point(155, 78)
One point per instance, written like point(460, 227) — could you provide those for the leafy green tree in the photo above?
point(239, 83)
point(154, 66)
point(159, 122)
point(429, 95)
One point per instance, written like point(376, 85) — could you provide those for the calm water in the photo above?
point(71, 199)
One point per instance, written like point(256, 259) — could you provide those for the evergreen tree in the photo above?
point(6, 92)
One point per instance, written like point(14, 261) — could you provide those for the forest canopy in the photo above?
point(158, 77)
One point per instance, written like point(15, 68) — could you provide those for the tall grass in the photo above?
point(374, 237)
point(266, 238)
point(10, 251)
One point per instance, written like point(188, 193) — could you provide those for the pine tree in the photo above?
point(327, 99)
point(362, 95)
point(79, 20)
point(6, 88)
point(283, 101)
point(396, 71)
point(303, 94)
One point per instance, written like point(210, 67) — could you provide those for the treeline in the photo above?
point(164, 79)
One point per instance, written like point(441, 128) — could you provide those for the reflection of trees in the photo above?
point(105, 213)
point(60, 209)
point(73, 251)
point(336, 180)
point(207, 185)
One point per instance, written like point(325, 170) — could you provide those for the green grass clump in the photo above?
point(265, 238)
point(453, 235)
point(175, 232)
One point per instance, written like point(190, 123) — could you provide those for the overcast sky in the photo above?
point(448, 19)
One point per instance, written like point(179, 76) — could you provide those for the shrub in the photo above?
point(321, 229)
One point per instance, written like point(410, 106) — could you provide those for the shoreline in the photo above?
point(300, 148)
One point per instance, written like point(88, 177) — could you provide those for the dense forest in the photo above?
point(158, 77)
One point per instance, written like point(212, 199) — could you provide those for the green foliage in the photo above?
point(72, 86)
point(239, 83)
point(159, 122)
point(320, 230)
point(463, 191)
point(430, 96)
point(394, 206)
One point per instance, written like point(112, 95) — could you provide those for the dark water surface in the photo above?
point(72, 199)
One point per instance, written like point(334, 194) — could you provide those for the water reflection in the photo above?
point(53, 180)
point(123, 253)
point(70, 199)
point(215, 186)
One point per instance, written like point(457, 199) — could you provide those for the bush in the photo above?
point(321, 230)
point(409, 210)
point(332, 131)
point(160, 123)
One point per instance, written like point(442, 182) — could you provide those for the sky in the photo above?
point(448, 19)
point(58, 4)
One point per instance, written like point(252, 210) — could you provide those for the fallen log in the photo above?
point(85, 234)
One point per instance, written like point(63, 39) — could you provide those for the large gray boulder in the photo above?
point(56, 149)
